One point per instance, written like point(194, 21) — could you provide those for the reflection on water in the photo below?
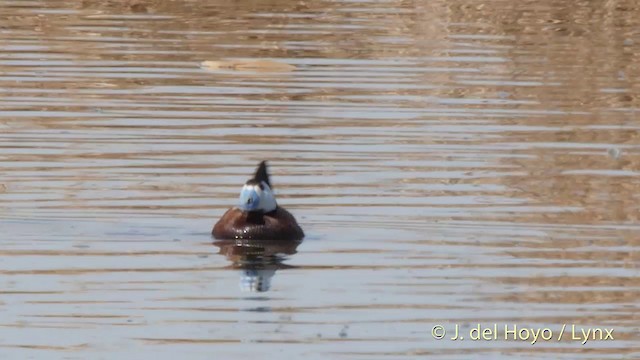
point(258, 260)
point(451, 162)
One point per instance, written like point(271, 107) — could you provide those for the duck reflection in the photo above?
point(258, 260)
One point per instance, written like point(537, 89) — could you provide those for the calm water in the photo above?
point(452, 163)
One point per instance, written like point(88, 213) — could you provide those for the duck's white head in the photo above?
point(256, 194)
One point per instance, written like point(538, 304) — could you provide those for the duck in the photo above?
point(257, 215)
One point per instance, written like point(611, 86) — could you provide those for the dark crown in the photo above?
point(262, 174)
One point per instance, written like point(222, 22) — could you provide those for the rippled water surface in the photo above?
point(452, 163)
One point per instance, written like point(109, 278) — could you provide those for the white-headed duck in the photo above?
point(258, 216)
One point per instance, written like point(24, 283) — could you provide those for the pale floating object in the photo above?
point(614, 153)
point(247, 65)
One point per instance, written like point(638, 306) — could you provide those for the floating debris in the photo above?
point(614, 153)
point(248, 65)
point(343, 333)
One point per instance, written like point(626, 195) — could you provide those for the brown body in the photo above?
point(275, 225)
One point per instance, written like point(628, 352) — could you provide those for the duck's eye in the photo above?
point(249, 199)
point(261, 186)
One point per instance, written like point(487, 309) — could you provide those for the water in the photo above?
point(452, 163)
